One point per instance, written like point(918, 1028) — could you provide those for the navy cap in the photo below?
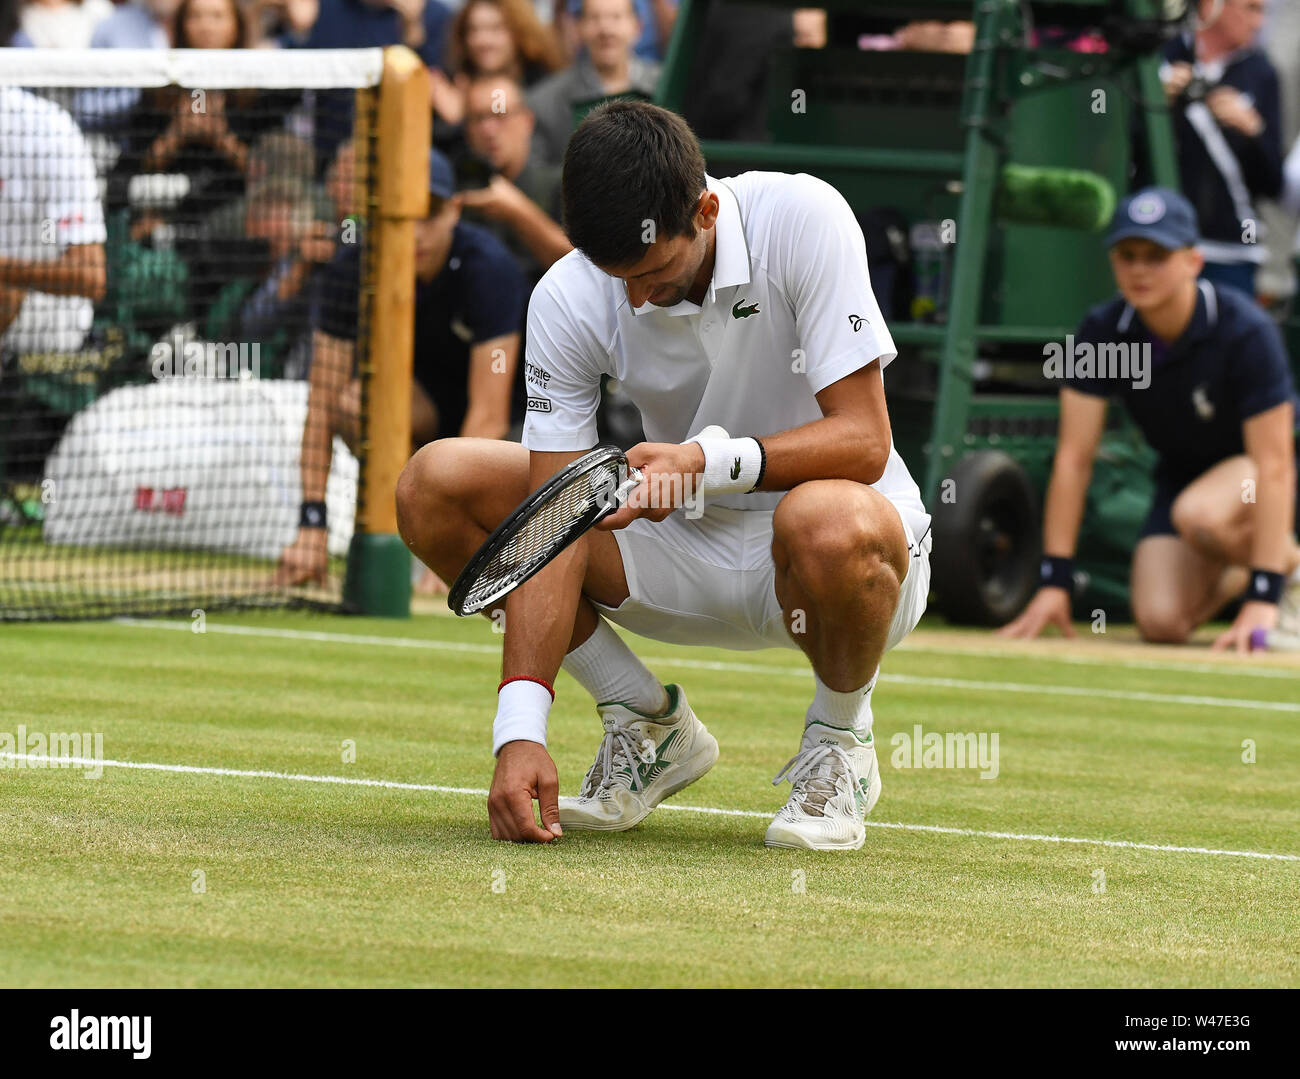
point(442, 177)
point(1157, 214)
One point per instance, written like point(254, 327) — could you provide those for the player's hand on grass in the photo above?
point(1049, 607)
point(670, 479)
point(1251, 617)
point(305, 559)
point(525, 773)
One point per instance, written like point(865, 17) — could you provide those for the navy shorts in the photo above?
point(1159, 520)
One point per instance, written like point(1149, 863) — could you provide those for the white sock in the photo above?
point(848, 711)
point(606, 668)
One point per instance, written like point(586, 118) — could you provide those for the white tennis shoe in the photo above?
point(641, 761)
point(836, 782)
point(1288, 615)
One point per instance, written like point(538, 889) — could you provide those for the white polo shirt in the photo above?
point(789, 311)
point(49, 201)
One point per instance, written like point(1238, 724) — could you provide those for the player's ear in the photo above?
point(706, 211)
point(1195, 260)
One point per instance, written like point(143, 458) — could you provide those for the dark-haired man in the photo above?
point(738, 306)
point(521, 202)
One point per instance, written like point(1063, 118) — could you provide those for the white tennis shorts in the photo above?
point(712, 581)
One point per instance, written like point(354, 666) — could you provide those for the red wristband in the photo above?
point(527, 678)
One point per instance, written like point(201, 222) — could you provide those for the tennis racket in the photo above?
point(552, 517)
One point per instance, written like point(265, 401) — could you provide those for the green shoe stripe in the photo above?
point(673, 692)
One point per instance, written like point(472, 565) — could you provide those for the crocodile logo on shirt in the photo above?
point(739, 311)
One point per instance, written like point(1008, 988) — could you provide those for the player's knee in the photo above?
point(833, 547)
point(1160, 624)
point(423, 491)
point(1194, 516)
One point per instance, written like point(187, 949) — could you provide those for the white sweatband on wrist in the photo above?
point(731, 465)
point(522, 711)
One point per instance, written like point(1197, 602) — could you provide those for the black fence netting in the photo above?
point(178, 264)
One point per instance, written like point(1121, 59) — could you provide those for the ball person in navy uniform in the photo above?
point(1218, 404)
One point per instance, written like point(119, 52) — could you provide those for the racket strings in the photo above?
point(548, 528)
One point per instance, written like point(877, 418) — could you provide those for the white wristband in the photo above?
point(731, 465)
point(522, 711)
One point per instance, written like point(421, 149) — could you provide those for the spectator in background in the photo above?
point(205, 137)
point(810, 28)
point(272, 23)
point(61, 24)
point(356, 24)
point(1291, 179)
point(137, 24)
point(521, 201)
point(657, 19)
point(1280, 39)
point(274, 309)
point(606, 67)
point(273, 154)
point(204, 134)
point(1223, 92)
point(469, 304)
point(727, 92)
point(492, 37)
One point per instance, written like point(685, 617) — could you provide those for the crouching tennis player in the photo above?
point(743, 305)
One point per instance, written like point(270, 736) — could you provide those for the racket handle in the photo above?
point(634, 478)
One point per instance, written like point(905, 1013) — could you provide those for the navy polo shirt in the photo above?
point(1230, 364)
point(479, 294)
point(354, 24)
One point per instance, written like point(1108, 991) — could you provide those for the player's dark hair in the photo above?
point(629, 163)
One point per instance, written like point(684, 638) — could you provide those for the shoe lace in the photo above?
point(815, 773)
point(616, 761)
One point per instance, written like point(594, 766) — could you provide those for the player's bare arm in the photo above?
point(492, 366)
point(1083, 418)
point(331, 410)
point(78, 271)
point(1269, 441)
point(544, 619)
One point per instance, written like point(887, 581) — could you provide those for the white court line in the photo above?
point(1190, 667)
point(1030, 837)
point(1091, 692)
